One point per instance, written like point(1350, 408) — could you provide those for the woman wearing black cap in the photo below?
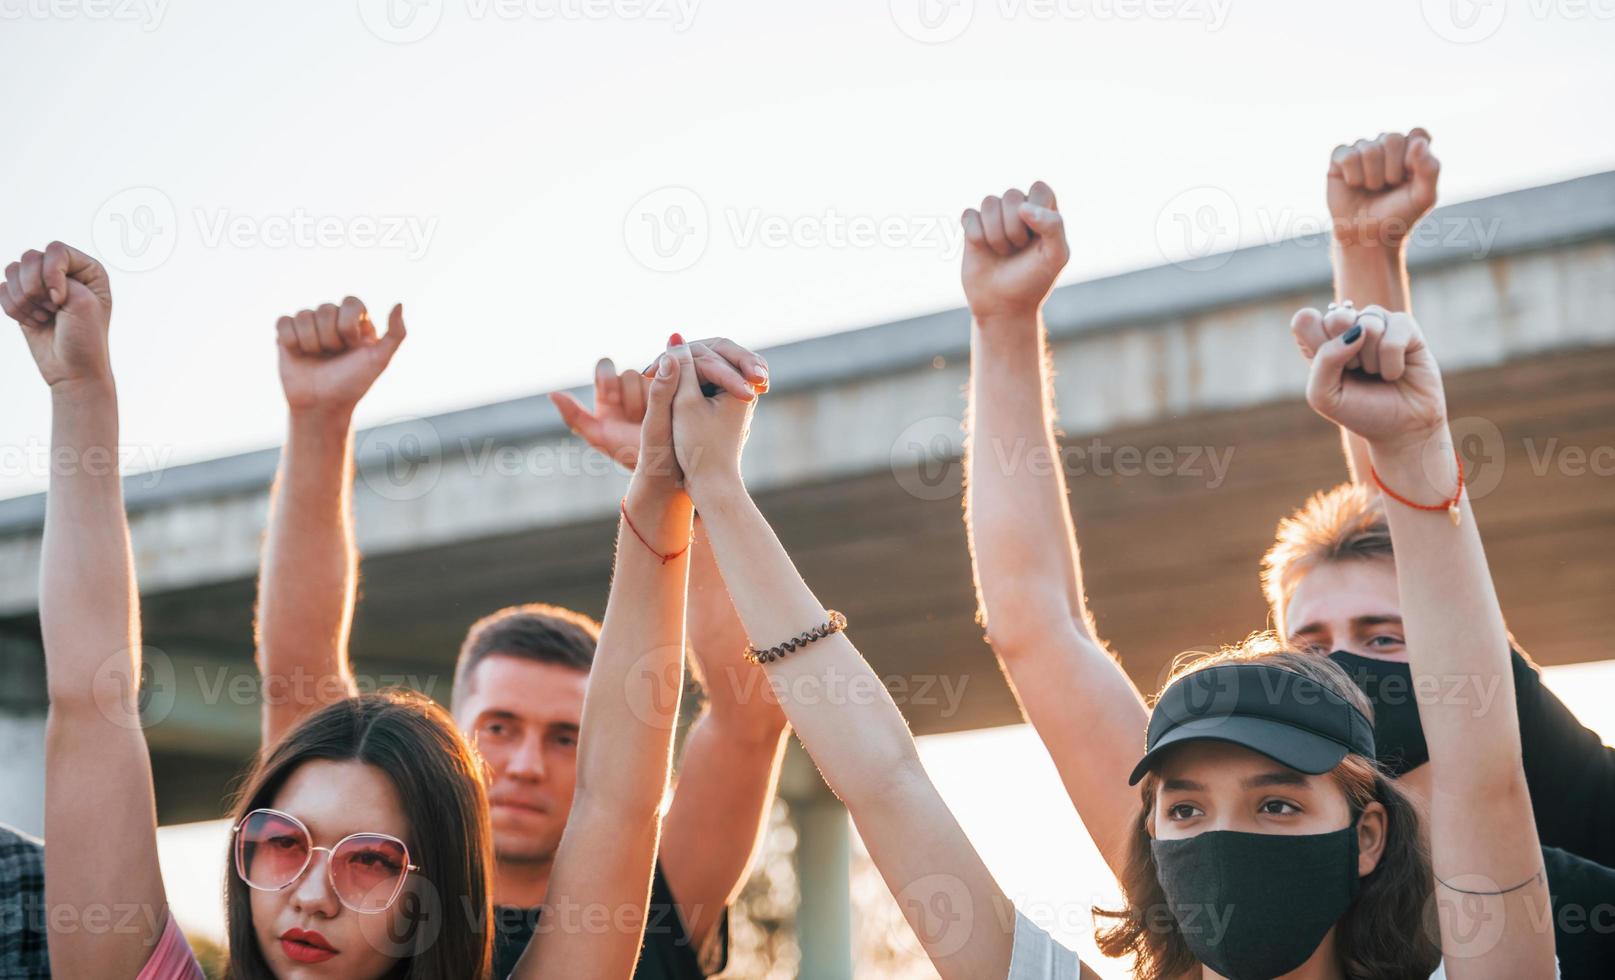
point(1485, 844)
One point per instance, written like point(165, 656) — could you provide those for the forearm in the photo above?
point(1027, 565)
point(1369, 275)
point(87, 607)
point(95, 751)
point(1453, 622)
point(632, 703)
point(847, 721)
point(310, 572)
point(1022, 540)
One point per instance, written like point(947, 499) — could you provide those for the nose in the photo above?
point(312, 894)
point(527, 761)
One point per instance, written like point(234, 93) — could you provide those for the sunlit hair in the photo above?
point(1345, 523)
point(1384, 934)
point(439, 781)
point(535, 631)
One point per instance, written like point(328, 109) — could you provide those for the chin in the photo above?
point(510, 845)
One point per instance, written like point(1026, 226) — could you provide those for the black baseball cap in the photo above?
point(1288, 717)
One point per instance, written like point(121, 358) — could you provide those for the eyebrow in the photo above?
point(1357, 621)
point(1276, 777)
point(505, 714)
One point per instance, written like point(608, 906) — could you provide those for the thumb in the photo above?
point(689, 383)
point(657, 429)
point(1045, 221)
point(395, 331)
point(1326, 384)
point(1425, 168)
point(576, 417)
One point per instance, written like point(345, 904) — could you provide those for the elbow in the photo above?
point(1017, 635)
point(881, 780)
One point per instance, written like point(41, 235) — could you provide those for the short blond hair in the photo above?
point(1344, 523)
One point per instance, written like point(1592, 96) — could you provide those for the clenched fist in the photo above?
point(1378, 189)
point(1397, 399)
point(330, 357)
point(1014, 248)
point(63, 301)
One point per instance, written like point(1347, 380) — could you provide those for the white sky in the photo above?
point(516, 138)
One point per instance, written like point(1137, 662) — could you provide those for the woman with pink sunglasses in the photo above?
point(360, 842)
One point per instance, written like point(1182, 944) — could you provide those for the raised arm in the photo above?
point(1491, 889)
point(730, 764)
point(100, 811)
point(1023, 545)
point(1377, 191)
point(329, 358)
point(842, 712)
point(603, 868)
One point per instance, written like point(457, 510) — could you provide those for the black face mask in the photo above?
point(1256, 906)
point(1398, 735)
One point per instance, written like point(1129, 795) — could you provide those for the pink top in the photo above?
point(172, 959)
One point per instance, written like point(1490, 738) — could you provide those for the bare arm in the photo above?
point(730, 766)
point(843, 713)
point(100, 809)
point(625, 748)
point(1482, 835)
point(1377, 192)
point(328, 359)
point(1022, 540)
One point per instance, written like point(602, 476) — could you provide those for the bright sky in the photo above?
point(499, 172)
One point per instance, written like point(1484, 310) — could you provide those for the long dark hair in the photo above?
point(1388, 931)
point(439, 780)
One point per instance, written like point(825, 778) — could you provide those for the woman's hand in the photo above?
point(619, 398)
point(708, 432)
point(63, 301)
point(1396, 400)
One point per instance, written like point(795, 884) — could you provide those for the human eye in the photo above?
point(1183, 811)
point(1279, 808)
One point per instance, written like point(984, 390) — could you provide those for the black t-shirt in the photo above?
point(1569, 769)
point(1583, 914)
point(666, 954)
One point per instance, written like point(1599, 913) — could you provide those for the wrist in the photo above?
point(995, 326)
point(1419, 463)
point(717, 493)
point(323, 414)
point(89, 388)
point(1364, 253)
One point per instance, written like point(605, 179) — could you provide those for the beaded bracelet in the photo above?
point(835, 624)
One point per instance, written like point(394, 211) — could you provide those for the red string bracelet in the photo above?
point(623, 506)
point(1450, 506)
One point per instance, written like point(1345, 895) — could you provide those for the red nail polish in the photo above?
point(675, 340)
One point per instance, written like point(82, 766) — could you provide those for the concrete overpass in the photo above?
point(1178, 385)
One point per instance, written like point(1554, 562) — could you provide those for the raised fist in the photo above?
point(1014, 248)
point(1396, 398)
point(63, 301)
point(1378, 189)
point(330, 357)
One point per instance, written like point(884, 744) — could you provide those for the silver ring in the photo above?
point(1383, 322)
